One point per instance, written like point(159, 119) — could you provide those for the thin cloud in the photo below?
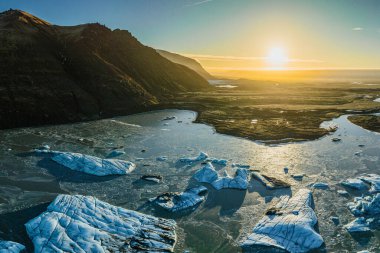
point(198, 3)
point(205, 57)
point(357, 29)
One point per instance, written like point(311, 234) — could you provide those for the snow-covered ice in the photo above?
point(11, 247)
point(365, 205)
point(176, 202)
point(93, 165)
point(288, 226)
point(373, 180)
point(81, 224)
point(239, 181)
point(207, 174)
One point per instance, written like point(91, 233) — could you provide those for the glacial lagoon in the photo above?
point(29, 182)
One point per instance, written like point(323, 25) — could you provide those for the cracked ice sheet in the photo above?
point(93, 165)
point(11, 247)
point(83, 224)
point(291, 229)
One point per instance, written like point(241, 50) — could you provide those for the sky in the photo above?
point(236, 34)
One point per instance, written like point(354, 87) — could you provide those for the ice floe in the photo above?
point(169, 118)
point(270, 182)
point(115, 153)
point(86, 224)
point(92, 165)
point(162, 158)
point(239, 165)
point(365, 205)
point(354, 183)
point(358, 225)
point(152, 178)
point(239, 181)
point(11, 247)
point(335, 220)
point(202, 156)
point(298, 176)
point(320, 185)
point(373, 180)
point(207, 174)
point(222, 162)
point(288, 226)
point(342, 192)
point(176, 202)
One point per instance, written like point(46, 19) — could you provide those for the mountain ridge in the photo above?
point(186, 61)
point(57, 74)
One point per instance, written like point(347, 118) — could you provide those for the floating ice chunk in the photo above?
point(239, 165)
point(11, 247)
point(298, 176)
point(240, 181)
point(320, 185)
point(335, 220)
point(373, 180)
point(175, 202)
point(43, 149)
point(115, 153)
point(222, 162)
point(93, 165)
point(202, 156)
point(342, 192)
point(206, 174)
point(270, 182)
point(169, 118)
point(86, 224)
point(153, 178)
point(288, 226)
point(162, 158)
point(365, 205)
point(354, 183)
point(358, 225)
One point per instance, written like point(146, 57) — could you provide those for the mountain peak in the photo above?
point(13, 15)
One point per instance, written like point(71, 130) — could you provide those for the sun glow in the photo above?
point(276, 58)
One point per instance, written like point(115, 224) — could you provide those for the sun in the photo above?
point(276, 58)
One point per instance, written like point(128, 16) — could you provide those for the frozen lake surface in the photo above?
point(29, 182)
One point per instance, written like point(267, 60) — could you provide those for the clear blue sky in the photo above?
point(339, 33)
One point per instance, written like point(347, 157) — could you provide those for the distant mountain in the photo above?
point(56, 74)
point(186, 61)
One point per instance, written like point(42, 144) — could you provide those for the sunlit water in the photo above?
point(28, 182)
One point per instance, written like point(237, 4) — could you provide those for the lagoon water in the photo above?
point(29, 182)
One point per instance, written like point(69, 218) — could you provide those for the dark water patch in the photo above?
point(12, 226)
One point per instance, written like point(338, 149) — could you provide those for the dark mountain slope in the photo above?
point(186, 61)
point(55, 74)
